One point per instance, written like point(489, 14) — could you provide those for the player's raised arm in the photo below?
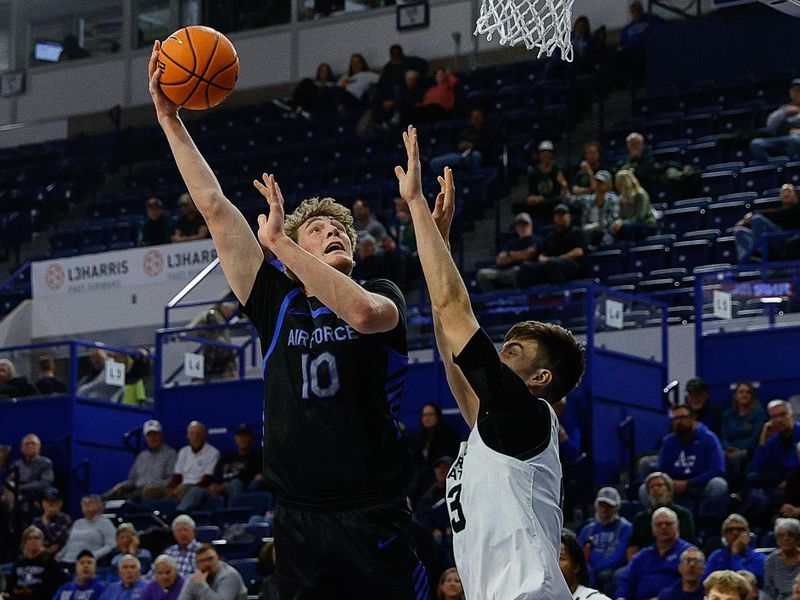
point(449, 296)
point(239, 252)
point(365, 311)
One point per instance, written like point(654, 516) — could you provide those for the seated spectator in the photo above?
point(219, 362)
point(315, 95)
point(191, 225)
point(659, 488)
point(631, 54)
point(357, 82)
point(698, 397)
point(599, 209)
point(193, 468)
point(592, 163)
point(783, 565)
point(241, 470)
point(477, 146)
point(655, 567)
point(741, 427)
point(393, 72)
point(402, 229)
point(166, 583)
point(690, 586)
point(514, 253)
point(431, 512)
point(637, 219)
point(365, 222)
point(775, 453)
point(48, 383)
point(736, 553)
point(783, 127)
point(638, 160)
point(94, 533)
point(399, 106)
point(128, 545)
point(86, 585)
point(151, 471)
point(435, 438)
point(546, 184)
point(130, 585)
point(562, 256)
point(692, 455)
point(13, 385)
point(93, 383)
point(753, 225)
point(53, 523)
point(449, 586)
point(35, 575)
point(751, 581)
point(791, 492)
point(157, 228)
point(604, 539)
point(371, 263)
point(184, 550)
point(439, 100)
point(214, 578)
point(727, 585)
point(31, 475)
point(572, 564)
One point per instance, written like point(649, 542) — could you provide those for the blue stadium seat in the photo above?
point(604, 263)
point(733, 120)
point(747, 197)
point(700, 202)
point(680, 314)
point(668, 154)
point(705, 153)
point(232, 550)
point(674, 273)
point(259, 530)
point(648, 258)
point(724, 215)
point(733, 165)
point(724, 250)
point(759, 178)
point(762, 203)
point(205, 534)
point(226, 516)
point(680, 220)
point(64, 240)
point(624, 279)
point(695, 126)
point(662, 129)
point(649, 286)
point(667, 239)
point(260, 502)
point(717, 183)
point(791, 172)
point(248, 569)
point(702, 234)
point(691, 253)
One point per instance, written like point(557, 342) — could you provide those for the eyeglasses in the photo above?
point(694, 561)
point(733, 529)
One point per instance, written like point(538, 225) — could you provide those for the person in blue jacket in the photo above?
point(130, 585)
point(692, 455)
point(86, 585)
point(775, 454)
point(737, 554)
point(604, 539)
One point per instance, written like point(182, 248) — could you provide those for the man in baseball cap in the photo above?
point(605, 538)
point(240, 470)
point(698, 396)
point(86, 585)
point(516, 251)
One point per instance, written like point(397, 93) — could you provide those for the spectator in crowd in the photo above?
point(436, 438)
point(775, 454)
point(655, 567)
point(128, 545)
point(692, 455)
point(357, 82)
point(48, 383)
point(184, 549)
point(546, 183)
point(157, 228)
point(449, 587)
point(402, 229)
point(191, 225)
point(638, 160)
point(698, 397)
point(35, 575)
point(166, 583)
point(439, 100)
point(572, 564)
point(790, 506)
point(783, 127)
point(399, 106)
point(637, 219)
point(562, 256)
point(316, 95)
point(431, 513)
point(631, 55)
point(477, 146)
point(599, 209)
point(727, 585)
point(371, 263)
point(394, 72)
point(219, 362)
point(783, 565)
point(214, 579)
point(516, 251)
point(137, 368)
point(592, 163)
point(741, 427)
point(751, 581)
point(690, 585)
point(365, 222)
point(86, 585)
point(93, 532)
point(151, 471)
point(31, 475)
point(604, 539)
point(736, 553)
point(53, 523)
point(93, 383)
point(193, 468)
point(584, 46)
point(130, 585)
point(241, 470)
point(13, 385)
point(659, 488)
point(753, 225)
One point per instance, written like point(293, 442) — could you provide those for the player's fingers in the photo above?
point(260, 187)
point(400, 173)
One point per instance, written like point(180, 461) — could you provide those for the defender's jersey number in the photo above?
point(458, 520)
point(320, 376)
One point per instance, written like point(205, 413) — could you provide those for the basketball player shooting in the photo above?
point(334, 366)
point(504, 490)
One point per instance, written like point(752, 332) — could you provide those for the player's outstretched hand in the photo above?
point(410, 179)
point(270, 228)
point(444, 209)
point(164, 106)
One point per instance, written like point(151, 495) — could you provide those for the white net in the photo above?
point(542, 24)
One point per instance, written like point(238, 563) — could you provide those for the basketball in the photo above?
point(200, 67)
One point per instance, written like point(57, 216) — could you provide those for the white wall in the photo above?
point(32, 133)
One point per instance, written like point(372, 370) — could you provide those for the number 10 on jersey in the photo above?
point(320, 376)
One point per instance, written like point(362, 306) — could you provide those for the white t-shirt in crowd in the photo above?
point(193, 466)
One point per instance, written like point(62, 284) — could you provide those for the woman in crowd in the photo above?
point(741, 426)
point(439, 100)
point(356, 84)
point(637, 219)
point(783, 565)
point(572, 563)
point(166, 583)
point(449, 587)
point(128, 543)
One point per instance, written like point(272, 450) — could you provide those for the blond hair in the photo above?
point(628, 184)
point(727, 582)
point(319, 207)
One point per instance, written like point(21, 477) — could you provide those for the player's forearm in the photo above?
point(195, 171)
point(462, 391)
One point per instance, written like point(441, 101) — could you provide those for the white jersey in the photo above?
point(585, 593)
point(506, 520)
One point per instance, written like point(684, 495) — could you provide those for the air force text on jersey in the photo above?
point(321, 335)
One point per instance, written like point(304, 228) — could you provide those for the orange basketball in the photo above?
point(200, 67)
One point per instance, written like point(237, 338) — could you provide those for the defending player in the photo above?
point(334, 368)
point(504, 490)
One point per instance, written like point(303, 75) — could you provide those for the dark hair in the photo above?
point(750, 388)
point(688, 407)
point(363, 63)
point(585, 20)
point(330, 76)
point(559, 352)
point(573, 548)
point(202, 548)
point(593, 144)
point(439, 416)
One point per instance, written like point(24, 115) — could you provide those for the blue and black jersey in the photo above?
point(331, 398)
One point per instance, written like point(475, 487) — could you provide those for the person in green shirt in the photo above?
point(637, 219)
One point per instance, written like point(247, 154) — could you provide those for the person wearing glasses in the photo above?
point(690, 586)
point(736, 553)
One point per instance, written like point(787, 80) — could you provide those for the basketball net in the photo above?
point(542, 24)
